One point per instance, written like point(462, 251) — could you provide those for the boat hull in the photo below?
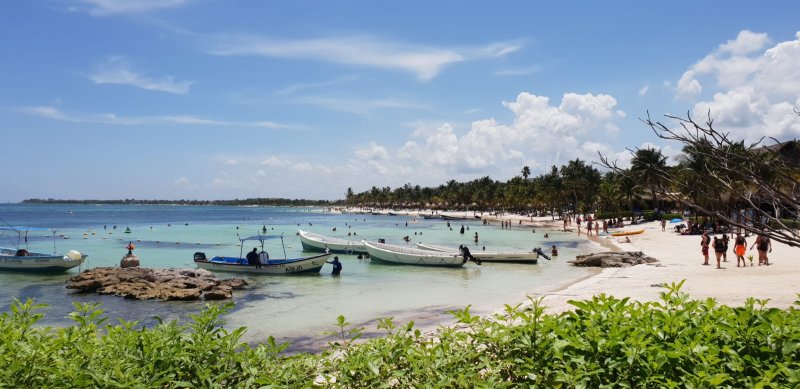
point(309, 265)
point(490, 256)
point(409, 256)
point(319, 243)
point(626, 233)
point(38, 262)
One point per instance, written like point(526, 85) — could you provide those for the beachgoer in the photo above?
point(462, 229)
point(252, 258)
point(464, 250)
point(762, 244)
point(704, 242)
point(554, 251)
point(589, 228)
point(725, 241)
point(719, 248)
point(739, 248)
point(21, 253)
point(627, 239)
point(476, 237)
point(264, 229)
point(337, 266)
point(663, 224)
point(596, 228)
point(546, 236)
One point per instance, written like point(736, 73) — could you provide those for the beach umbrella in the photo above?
point(676, 220)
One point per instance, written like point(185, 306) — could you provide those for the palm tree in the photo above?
point(526, 171)
point(648, 166)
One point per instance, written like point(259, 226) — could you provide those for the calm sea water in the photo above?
point(294, 308)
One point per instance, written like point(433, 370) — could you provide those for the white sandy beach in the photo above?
point(680, 259)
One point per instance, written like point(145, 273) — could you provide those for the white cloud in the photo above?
point(644, 89)
point(360, 107)
point(230, 162)
point(114, 119)
point(117, 7)
point(117, 70)
point(183, 183)
point(755, 88)
point(424, 61)
point(539, 129)
point(314, 85)
point(373, 152)
point(274, 161)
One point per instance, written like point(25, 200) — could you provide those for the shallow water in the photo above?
point(291, 308)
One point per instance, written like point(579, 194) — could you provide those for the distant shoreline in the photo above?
point(255, 201)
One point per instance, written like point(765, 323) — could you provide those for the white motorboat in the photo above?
point(412, 256)
point(316, 242)
point(488, 256)
point(265, 265)
point(20, 259)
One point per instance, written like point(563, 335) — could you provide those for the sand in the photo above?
point(680, 259)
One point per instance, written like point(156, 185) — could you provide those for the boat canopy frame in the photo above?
point(260, 238)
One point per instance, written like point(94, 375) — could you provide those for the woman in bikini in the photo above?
point(762, 244)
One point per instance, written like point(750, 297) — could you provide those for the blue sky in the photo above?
point(211, 99)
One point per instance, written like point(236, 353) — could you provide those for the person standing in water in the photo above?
point(337, 266)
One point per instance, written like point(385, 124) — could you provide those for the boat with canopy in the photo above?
point(20, 258)
point(265, 265)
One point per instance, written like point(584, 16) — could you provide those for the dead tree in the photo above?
point(748, 176)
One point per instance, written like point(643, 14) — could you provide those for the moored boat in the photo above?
point(20, 259)
point(624, 233)
point(412, 256)
point(489, 256)
point(265, 264)
point(316, 242)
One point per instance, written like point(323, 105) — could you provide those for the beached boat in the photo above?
point(266, 264)
point(488, 256)
point(21, 259)
point(412, 256)
point(319, 243)
point(448, 217)
point(624, 233)
point(426, 216)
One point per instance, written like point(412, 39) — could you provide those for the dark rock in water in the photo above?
point(129, 260)
point(610, 259)
point(162, 284)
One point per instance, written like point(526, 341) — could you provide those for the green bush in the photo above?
point(603, 342)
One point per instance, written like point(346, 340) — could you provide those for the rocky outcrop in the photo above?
point(162, 284)
point(129, 260)
point(611, 259)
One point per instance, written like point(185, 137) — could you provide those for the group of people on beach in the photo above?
point(720, 245)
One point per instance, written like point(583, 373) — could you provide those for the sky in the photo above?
point(212, 99)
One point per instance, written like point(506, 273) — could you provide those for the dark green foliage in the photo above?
point(603, 342)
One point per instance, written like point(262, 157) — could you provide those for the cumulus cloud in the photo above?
point(117, 70)
point(539, 128)
point(230, 162)
point(755, 87)
point(426, 62)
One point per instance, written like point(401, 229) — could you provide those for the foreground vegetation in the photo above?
point(676, 342)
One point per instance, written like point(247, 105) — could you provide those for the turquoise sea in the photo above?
point(298, 309)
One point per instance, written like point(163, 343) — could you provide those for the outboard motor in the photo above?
point(381, 240)
point(198, 256)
